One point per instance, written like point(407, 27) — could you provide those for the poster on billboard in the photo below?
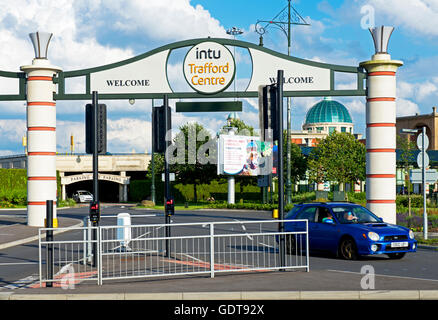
point(241, 155)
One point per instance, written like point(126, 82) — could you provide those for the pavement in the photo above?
point(288, 285)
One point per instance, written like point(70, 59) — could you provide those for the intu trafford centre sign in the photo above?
point(209, 67)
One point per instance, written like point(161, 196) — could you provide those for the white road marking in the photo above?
point(16, 263)
point(384, 275)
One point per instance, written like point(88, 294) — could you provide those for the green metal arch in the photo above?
point(223, 41)
point(60, 79)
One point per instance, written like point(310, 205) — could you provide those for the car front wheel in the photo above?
point(347, 249)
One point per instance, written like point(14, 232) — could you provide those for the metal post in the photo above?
point(167, 194)
point(153, 171)
point(288, 154)
point(211, 250)
point(49, 238)
point(95, 172)
point(231, 180)
point(423, 176)
point(280, 80)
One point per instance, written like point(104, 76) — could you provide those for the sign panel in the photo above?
point(415, 176)
point(89, 176)
point(420, 141)
point(420, 160)
point(297, 76)
point(147, 75)
point(209, 67)
point(238, 155)
point(209, 106)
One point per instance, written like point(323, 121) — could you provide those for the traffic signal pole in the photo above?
point(168, 201)
point(95, 206)
point(280, 80)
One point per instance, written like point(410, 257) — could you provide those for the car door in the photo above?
point(325, 234)
point(309, 214)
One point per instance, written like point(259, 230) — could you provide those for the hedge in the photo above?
point(13, 187)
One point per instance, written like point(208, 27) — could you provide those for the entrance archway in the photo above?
point(145, 77)
point(122, 180)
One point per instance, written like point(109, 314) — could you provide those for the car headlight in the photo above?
point(373, 236)
point(411, 234)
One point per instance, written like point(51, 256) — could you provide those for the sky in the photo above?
point(91, 33)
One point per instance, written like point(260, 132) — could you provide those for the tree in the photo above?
point(243, 129)
point(191, 157)
point(407, 148)
point(339, 157)
point(195, 156)
point(298, 161)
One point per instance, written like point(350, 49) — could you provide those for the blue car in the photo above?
point(347, 230)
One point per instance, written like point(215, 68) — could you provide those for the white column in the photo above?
point(41, 140)
point(381, 136)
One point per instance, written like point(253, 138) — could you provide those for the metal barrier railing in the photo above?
point(140, 251)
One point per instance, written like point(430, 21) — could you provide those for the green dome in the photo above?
point(328, 110)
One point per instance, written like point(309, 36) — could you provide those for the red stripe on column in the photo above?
point(381, 150)
point(38, 203)
point(41, 129)
point(386, 124)
point(382, 73)
point(41, 178)
point(40, 78)
point(380, 175)
point(41, 153)
point(380, 99)
point(380, 201)
point(41, 103)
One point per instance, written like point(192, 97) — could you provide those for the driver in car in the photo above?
point(349, 216)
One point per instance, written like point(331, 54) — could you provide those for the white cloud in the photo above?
point(161, 20)
point(419, 91)
point(356, 106)
point(12, 132)
point(419, 16)
point(126, 135)
point(406, 108)
point(425, 90)
point(66, 129)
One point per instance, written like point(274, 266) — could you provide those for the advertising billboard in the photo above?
point(242, 155)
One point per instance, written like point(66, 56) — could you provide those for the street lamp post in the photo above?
point(234, 31)
point(298, 20)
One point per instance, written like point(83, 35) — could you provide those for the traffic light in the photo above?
point(268, 114)
point(170, 207)
point(94, 212)
point(101, 129)
point(160, 127)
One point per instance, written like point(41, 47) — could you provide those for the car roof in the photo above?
point(330, 203)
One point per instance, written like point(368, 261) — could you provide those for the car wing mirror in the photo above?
point(328, 221)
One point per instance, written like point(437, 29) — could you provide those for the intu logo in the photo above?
point(208, 54)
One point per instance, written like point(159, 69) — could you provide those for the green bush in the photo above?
point(416, 201)
point(66, 203)
point(13, 187)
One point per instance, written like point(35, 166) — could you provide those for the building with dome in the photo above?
point(323, 118)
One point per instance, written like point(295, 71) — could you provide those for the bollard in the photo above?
point(275, 214)
point(49, 238)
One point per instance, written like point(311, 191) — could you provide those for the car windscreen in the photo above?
point(354, 214)
point(292, 212)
